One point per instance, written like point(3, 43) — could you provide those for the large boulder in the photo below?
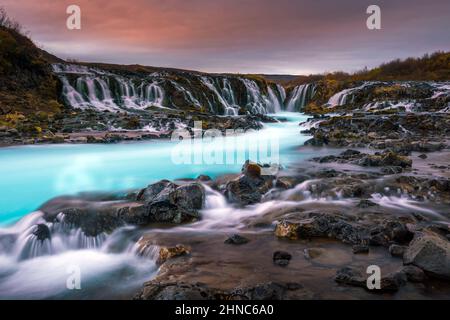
point(431, 253)
point(249, 187)
point(162, 202)
point(320, 225)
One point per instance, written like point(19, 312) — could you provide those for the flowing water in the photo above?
point(31, 175)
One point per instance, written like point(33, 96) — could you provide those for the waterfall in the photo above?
point(229, 109)
point(300, 96)
point(86, 87)
point(342, 97)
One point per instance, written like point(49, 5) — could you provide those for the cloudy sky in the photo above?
point(246, 36)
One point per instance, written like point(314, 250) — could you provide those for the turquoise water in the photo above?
point(32, 175)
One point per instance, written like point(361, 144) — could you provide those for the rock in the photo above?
point(162, 202)
point(168, 202)
point(312, 253)
point(42, 232)
point(237, 240)
point(350, 276)
point(353, 277)
point(281, 258)
point(286, 229)
point(249, 187)
point(430, 253)
point(349, 153)
point(251, 169)
point(357, 249)
point(384, 160)
point(390, 231)
point(204, 178)
point(166, 253)
point(365, 203)
point(155, 290)
point(423, 156)
point(320, 225)
point(397, 251)
point(414, 274)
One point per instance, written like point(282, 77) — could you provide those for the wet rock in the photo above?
point(320, 225)
point(287, 229)
point(422, 156)
point(353, 277)
point(430, 253)
point(250, 186)
point(42, 232)
point(312, 253)
point(168, 202)
point(390, 231)
point(204, 178)
point(357, 249)
point(236, 240)
point(397, 251)
point(162, 202)
point(365, 203)
point(414, 274)
point(155, 290)
point(386, 159)
point(281, 258)
point(251, 169)
point(166, 253)
point(350, 276)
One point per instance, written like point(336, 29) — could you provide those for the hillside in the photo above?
point(430, 67)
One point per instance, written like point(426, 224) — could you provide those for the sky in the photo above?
point(239, 36)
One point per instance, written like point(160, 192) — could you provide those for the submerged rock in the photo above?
point(281, 258)
point(236, 240)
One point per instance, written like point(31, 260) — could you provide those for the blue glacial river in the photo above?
point(32, 175)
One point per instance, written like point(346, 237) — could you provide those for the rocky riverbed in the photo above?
point(380, 197)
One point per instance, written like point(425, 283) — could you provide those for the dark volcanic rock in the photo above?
point(321, 225)
point(357, 249)
point(414, 274)
point(250, 186)
point(42, 232)
point(281, 258)
point(430, 253)
point(236, 239)
point(160, 202)
point(353, 277)
point(397, 251)
point(155, 290)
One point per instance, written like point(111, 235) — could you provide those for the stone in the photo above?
point(357, 249)
point(166, 253)
point(281, 258)
point(414, 274)
point(397, 250)
point(236, 240)
point(431, 253)
point(422, 156)
point(42, 232)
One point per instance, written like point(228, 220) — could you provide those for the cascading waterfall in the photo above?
point(343, 96)
point(229, 108)
point(300, 96)
point(91, 88)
